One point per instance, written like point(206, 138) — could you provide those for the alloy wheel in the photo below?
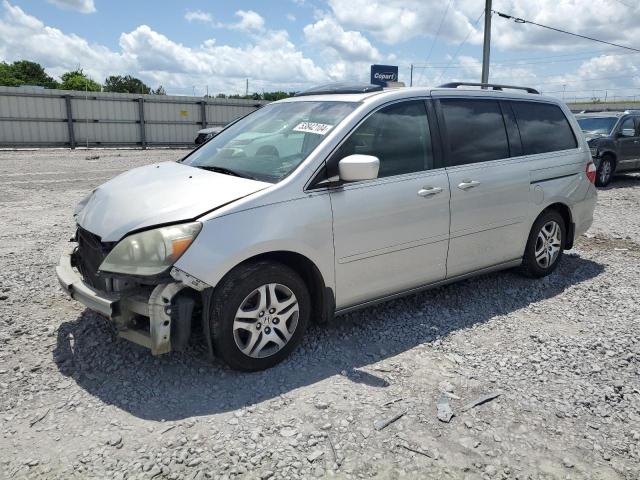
point(605, 171)
point(548, 244)
point(266, 320)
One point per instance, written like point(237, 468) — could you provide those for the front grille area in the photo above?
point(89, 254)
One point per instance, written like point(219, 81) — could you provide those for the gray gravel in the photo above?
point(562, 353)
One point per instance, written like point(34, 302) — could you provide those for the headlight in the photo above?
point(151, 252)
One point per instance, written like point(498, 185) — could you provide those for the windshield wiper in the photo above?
point(224, 170)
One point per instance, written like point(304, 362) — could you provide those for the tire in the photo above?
point(604, 174)
point(545, 245)
point(250, 331)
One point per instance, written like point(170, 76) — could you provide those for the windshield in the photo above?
point(270, 143)
point(599, 125)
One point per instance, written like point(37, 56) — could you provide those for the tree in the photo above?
point(273, 96)
point(221, 95)
point(125, 84)
point(78, 80)
point(159, 91)
point(24, 72)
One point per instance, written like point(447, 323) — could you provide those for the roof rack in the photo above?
point(338, 88)
point(493, 86)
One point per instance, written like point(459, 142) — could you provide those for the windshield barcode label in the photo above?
point(310, 127)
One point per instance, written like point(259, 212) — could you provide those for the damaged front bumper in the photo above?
point(169, 313)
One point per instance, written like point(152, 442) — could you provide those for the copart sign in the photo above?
point(383, 74)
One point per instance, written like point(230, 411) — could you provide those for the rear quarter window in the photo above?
point(543, 127)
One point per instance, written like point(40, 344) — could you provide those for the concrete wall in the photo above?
point(31, 116)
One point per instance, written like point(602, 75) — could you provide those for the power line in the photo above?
point(508, 62)
point(435, 39)
point(625, 4)
point(455, 55)
point(522, 20)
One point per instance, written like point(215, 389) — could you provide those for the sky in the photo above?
point(194, 47)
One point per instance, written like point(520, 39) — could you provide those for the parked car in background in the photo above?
point(333, 200)
point(207, 133)
point(614, 141)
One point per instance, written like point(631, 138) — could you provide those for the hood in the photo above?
point(210, 130)
point(156, 194)
point(592, 136)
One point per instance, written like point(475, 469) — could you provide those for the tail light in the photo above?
point(591, 171)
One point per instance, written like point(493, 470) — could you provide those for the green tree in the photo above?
point(273, 96)
point(221, 95)
point(125, 84)
point(24, 72)
point(159, 91)
point(78, 80)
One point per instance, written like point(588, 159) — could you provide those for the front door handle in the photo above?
point(468, 184)
point(428, 191)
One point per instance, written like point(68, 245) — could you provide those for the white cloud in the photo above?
point(271, 61)
point(291, 17)
point(198, 16)
point(350, 45)
point(249, 21)
point(25, 37)
point(396, 21)
point(603, 19)
point(82, 6)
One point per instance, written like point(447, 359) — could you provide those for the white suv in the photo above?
point(338, 198)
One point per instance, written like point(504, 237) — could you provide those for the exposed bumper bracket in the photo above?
point(121, 309)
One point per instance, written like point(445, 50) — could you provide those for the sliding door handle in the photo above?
point(428, 191)
point(468, 184)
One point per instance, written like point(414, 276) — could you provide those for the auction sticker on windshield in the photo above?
point(311, 127)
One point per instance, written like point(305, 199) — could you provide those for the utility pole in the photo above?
point(246, 90)
point(486, 49)
point(411, 77)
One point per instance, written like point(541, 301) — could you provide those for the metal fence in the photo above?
point(36, 117)
point(603, 107)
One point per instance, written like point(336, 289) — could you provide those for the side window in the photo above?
point(475, 131)
point(628, 128)
point(398, 135)
point(543, 127)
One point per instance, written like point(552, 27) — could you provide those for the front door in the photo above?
point(391, 234)
point(628, 145)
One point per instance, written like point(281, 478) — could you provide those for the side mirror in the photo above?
point(358, 167)
point(627, 132)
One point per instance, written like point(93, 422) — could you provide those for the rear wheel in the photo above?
point(259, 314)
point(545, 245)
point(605, 171)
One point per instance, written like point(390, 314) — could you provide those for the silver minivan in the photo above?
point(338, 198)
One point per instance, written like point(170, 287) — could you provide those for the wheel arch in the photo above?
point(564, 210)
point(322, 296)
point(611, 154)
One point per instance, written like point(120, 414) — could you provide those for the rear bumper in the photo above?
point(154, 303)
point(582, 212)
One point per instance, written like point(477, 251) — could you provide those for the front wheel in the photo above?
point(259, 314)
point(544, 246)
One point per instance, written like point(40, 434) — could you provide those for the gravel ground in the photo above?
point(562, 353)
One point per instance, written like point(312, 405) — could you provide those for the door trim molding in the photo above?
point(394, 248)
point(501, 266)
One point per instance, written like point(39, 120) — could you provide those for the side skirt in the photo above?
point(501, 266)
